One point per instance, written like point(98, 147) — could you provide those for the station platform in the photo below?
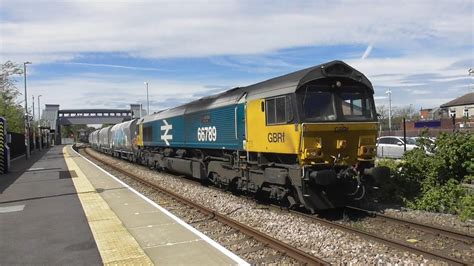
point(60, 208)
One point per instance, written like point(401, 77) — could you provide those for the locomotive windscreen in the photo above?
point(336, 102)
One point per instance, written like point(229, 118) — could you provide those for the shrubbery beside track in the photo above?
point(433, 181)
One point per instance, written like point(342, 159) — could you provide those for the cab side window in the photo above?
point(278, 110)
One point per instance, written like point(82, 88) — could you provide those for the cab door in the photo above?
point(239, 121)
point(269, 128)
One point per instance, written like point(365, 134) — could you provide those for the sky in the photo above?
point(98, 54)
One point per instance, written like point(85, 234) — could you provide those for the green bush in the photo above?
point(399, 186)
point(443, 198)
point(467, 207)
point(429, 178)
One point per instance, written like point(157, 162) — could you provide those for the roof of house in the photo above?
point(466, 99)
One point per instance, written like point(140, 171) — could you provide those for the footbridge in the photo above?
point(53, 117)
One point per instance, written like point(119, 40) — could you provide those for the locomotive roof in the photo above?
point(291, 82)
point(285, 84)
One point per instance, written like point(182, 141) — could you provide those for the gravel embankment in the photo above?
point(327, 243)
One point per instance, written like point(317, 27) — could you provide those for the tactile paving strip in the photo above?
point(116, 245)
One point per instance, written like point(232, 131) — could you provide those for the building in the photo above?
point(441, 119)
point(461, 107)
point(431, 113)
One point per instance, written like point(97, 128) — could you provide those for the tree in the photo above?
point(382, 112)
point(404, 111)
point(9, 107)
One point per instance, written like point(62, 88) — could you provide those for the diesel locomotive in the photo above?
point(305, 139)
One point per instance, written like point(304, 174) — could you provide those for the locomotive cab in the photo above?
point(339, 129)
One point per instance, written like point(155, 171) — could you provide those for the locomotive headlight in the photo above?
point(366, 150)
point(313, 153)
point(314, 149)
point(338, 84)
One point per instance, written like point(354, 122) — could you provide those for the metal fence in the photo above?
point(17, 145)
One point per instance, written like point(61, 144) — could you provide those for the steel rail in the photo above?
point(380, 239)
point(274, 243)
point(464, 237)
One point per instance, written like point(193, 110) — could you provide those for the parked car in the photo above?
point(429, 143)
point(392, 146)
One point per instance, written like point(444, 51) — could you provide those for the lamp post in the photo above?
point(27, 123)
point(147, 100)
point(33, 129)
point(389, 92)
point(39, 124)
point(471, 73)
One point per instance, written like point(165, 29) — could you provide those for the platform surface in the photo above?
point(41, 217)
point(60, 208)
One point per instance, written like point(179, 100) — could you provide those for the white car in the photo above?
point(392, 146)
point(431, 144)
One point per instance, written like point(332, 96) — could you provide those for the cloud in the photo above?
point(254, 63)
point(171, 29)
point(367, 52)
point(421, 46)
point(424, 80)
point(89, 90)
point(114, 66)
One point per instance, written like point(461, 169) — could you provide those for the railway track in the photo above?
point(435, 254)
point(384, 240)
point(445, 242)
point(435, 230)
point(266, 240)
point(381, 239)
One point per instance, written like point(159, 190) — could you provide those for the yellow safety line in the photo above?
point(116, 245)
